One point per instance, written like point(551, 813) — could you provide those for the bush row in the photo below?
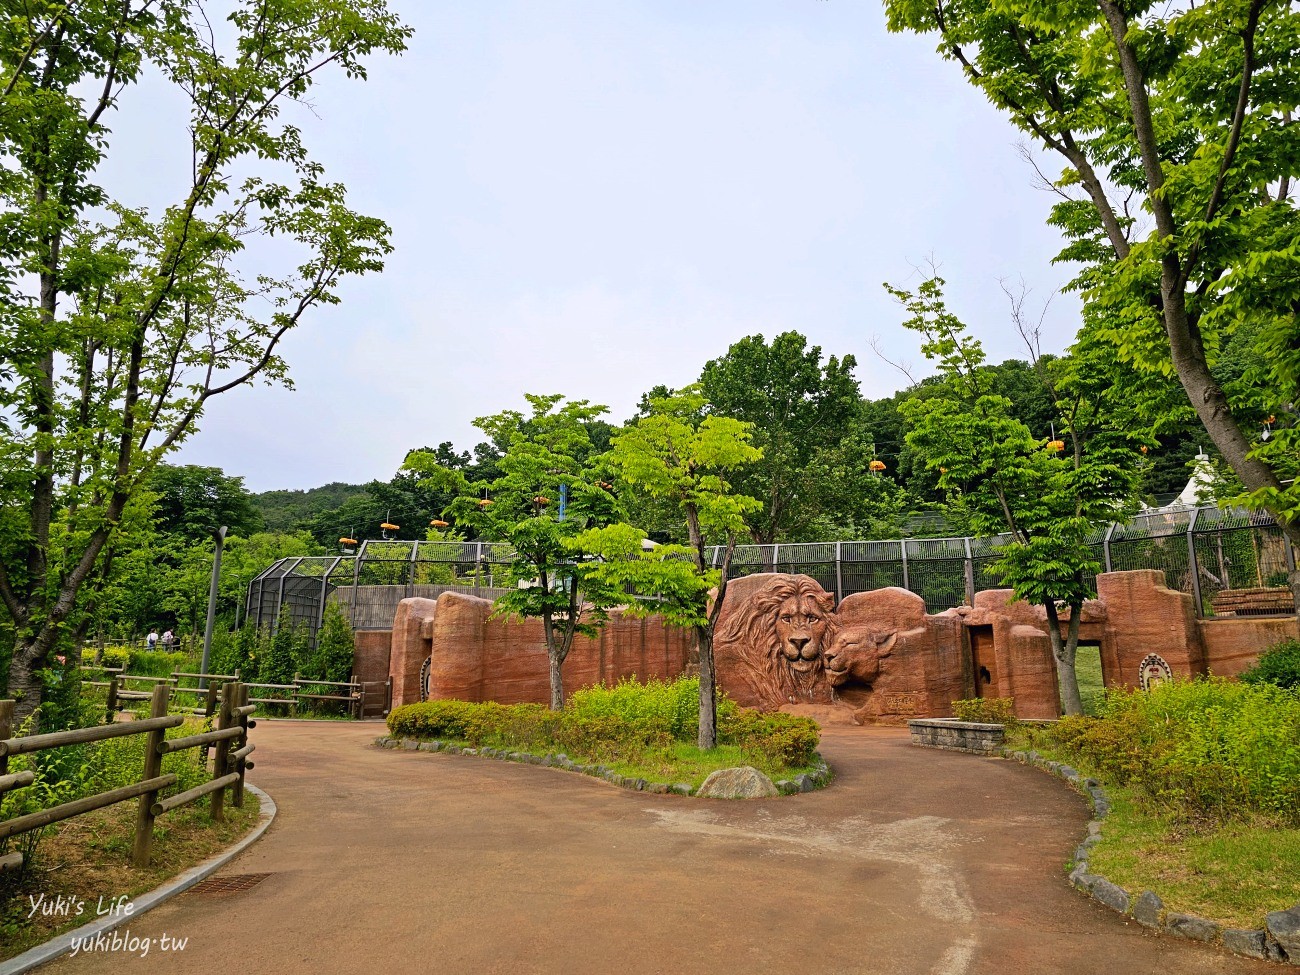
point(1207, 748)
point(622, 723)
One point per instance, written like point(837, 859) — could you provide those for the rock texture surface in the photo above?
point(745, 782)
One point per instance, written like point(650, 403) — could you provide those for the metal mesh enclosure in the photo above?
point(1231, 562)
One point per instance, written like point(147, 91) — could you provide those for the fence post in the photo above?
point(110, 706)
point(388, 695)
point(969, 572)
point(6, 730)
point(839, 572)
point(902, 547)
point(237, 790)
point(140, 850)
point(1193, 565)
point(1105, 546)
point(221, 763)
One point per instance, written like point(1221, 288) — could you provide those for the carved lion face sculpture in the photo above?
point(774, 640)
point(855, 655)
point(801, 626)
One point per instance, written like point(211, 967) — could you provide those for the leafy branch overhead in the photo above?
point(118, 325)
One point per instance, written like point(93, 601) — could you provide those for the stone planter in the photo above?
point(957, 736)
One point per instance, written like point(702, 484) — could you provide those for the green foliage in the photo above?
point(631, 722)
point(118, 325)
point(276, 665)
point(1047, 498)
point(335, 647)
point(548, 456)
point(805, 419)
point(193, 502)
point(1176, 130)
point(1278, 665)
point(1208, 748)
point(986, 710)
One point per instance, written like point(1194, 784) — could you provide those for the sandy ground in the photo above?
point(913, 861)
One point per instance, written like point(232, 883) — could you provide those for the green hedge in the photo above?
point(621, 723)
point(1208, 748)
point(1279, 665)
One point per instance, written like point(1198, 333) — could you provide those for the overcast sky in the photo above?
point(590, 198)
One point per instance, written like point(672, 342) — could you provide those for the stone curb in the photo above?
point(818, 779)
point(62, 944)
point(1271, 943)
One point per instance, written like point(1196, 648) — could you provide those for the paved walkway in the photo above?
point(391, 862)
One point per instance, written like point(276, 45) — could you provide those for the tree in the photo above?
point(118, 326)
point(194, 502)
point(549, 490)
point(1049, 496)
point(1177, 125)
point(674, 454)
point(800, 410)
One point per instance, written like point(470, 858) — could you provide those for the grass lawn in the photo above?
point(1233, 873)
point(88, 857)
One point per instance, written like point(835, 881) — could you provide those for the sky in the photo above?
point(592, 198)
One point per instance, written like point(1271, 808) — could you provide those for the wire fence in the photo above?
point(1232, 563)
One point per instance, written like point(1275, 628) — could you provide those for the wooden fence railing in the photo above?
point(118, 689)
point(229, 766)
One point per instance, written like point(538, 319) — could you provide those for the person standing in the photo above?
point(167, 640)
point(151, 641)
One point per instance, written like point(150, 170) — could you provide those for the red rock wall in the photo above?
point(474, 658)
point(1146, 617)
point(370, 654)
point(1233, 645)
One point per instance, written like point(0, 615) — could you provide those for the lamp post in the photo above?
point(220, 536)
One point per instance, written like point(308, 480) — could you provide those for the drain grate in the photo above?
point(234, 883)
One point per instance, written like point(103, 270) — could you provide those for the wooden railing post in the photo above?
point(221, 763)
point(110, 708)
point(6, 730)
point(237, 791)
point(152, 769)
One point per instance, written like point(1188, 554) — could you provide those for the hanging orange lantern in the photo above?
point(347, 541)
point(1056, 446)
point(438, 523)
point(388, 526)
point(877, 466)
point(485, 502)
point(1143, 448)
point(541, 502)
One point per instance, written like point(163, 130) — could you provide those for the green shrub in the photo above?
point(1209, 748)
point(155, 663)
point(986, 710)
point(335, 646)
point(1279, 665)
point(610, 724)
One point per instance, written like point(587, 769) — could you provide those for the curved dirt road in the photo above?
point(914, 861)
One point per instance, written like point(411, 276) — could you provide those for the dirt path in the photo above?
point(391, 862)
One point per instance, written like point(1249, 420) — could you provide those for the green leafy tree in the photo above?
point(335, 646)
point(118, 326)
point(677, 454)
point(1177, 128)
point(1049, 497)
point(548, 458)
point(193, 502)
point(801, 411)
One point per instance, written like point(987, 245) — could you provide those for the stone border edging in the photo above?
point(801, 783)
point(61, 944)
point(1147, 908)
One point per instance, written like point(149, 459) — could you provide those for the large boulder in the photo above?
point(745, 782)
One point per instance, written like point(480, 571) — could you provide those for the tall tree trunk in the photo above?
point(557, 680)
point(708, 737)
point(1064, 651)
